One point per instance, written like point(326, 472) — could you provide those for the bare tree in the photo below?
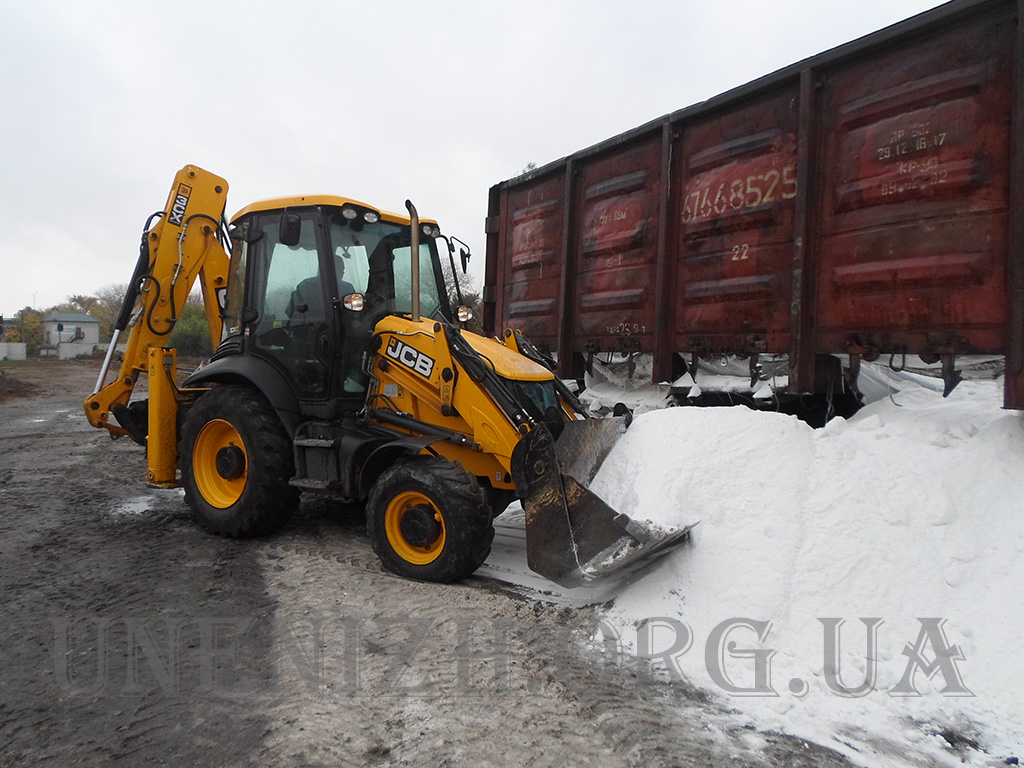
point(108, 304)
point(77, 303)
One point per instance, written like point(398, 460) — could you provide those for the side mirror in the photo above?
point(464, 253)
point(245, 233)
point(290, 229)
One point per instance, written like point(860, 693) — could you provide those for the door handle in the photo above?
point(323, 347)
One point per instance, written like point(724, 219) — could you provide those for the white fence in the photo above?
point(68, 350)
point(10, 350)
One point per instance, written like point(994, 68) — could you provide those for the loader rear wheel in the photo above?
point(428, 519)
point(236, 461)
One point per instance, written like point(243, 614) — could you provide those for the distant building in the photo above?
point(71, 333)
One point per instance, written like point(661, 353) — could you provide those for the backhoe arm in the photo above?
point(185, 244)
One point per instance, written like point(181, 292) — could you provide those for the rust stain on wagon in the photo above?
point(913, 233)
point(736, 218)
point(532, 270)
point(616, 249)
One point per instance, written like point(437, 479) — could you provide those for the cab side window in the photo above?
point(292, 305)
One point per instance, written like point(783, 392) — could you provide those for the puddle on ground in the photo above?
point(134, 506)
point(142, 504)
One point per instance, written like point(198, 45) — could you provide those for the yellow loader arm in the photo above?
point(185, 244)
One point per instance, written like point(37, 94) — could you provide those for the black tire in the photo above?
point(429, 519)
point(236, 461)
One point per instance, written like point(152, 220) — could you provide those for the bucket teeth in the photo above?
point(572, 535)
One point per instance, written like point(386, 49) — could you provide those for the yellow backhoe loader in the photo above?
point(341, 367)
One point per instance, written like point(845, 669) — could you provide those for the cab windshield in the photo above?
point(374, 260)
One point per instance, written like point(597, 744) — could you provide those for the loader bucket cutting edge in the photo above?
point(572, 535)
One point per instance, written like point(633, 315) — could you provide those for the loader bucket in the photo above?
point(572, 535)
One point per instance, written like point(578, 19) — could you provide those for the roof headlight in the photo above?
point(371, 217)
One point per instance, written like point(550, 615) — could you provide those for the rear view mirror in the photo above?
point(290, 229)
point(464, 254)
point(245, 233)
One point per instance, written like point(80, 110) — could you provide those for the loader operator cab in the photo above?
point(310, 282)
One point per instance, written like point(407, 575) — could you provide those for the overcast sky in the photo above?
point(103, 102)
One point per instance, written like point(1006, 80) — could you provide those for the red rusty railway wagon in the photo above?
point(867, 201)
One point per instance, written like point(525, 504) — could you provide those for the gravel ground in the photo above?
point(129, 635)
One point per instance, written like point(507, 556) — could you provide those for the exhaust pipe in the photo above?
point(415, 256)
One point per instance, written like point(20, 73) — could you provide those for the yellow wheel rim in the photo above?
point(219, 491)
point(393, 527)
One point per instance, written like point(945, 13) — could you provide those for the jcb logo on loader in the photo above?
point(410, 357)
point(180, 204)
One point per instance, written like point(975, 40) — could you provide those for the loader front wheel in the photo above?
point(428, 519)
point(236, 461)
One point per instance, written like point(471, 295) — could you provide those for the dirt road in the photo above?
point(128, 634)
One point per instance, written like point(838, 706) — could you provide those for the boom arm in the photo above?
point(183, 246)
